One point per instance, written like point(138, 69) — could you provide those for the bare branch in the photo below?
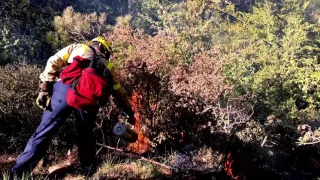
point(264, 141)
point(309, 143)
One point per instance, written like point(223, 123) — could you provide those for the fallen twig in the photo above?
point(135, 155)
point(309, 143)
point(264, 141)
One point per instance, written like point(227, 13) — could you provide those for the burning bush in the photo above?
point(176, 100)
point(183, 106)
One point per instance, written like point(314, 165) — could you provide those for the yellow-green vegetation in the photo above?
point(5, 176)
point(128, 170)
point(111, 169)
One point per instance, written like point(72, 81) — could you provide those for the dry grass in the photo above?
point(124, 170)
point(203, 159)
point(127, 169)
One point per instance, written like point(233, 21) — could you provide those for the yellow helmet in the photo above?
point(103, 41)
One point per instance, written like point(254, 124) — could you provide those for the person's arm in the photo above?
point(55, 63)
point(121, 94)
point(49, 76)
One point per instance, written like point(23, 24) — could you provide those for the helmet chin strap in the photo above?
point(101, 48)
point(104, 51)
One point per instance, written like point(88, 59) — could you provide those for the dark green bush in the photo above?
point(19, 114)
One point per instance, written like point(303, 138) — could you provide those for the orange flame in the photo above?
point(135, 103)
point(143, 143)
point(228, 166)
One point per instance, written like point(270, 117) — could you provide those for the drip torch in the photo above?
point(125, 131)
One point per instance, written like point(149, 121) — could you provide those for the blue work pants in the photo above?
point(50, 123)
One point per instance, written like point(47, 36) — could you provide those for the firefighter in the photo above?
point(52, 99)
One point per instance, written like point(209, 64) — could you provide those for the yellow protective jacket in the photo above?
point(65, 56)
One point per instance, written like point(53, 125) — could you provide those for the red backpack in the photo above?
point(90, 82)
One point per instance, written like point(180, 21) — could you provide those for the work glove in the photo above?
point(44, 97)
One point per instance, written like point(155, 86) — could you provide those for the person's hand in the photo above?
point(44, 97)
point(43, 100)
point(132, 120)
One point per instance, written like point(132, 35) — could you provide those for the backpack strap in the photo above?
point(94, 64)
point(94, 61)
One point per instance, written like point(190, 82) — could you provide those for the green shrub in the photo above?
point(272, 57)
point(18, 112)
point(73, 26)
